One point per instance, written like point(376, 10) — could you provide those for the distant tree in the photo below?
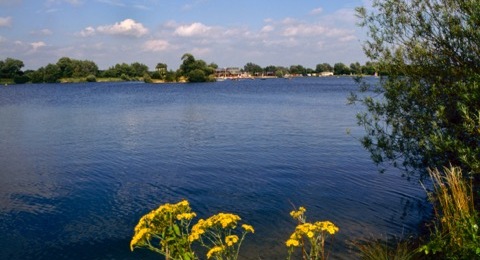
point(36, 76)
point(161, 69)
point(197, 75)
point(11, 68)
point(356, 68)
point(324, 67)
point(147, 78)
point(138, 69)
point(76, 68)
point(298, 70)
point(369, 68)
point(191, 68)
point(253, 69)
point(270, 70)
point(66, 67)
point(340, 69)
point(52, 73)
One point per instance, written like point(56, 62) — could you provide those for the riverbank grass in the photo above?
point(456, 228)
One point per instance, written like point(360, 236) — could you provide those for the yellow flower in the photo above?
point(248, 228)
point(298, 214)
point(214, 250)
point(183, 203)
point(138, 237)
point(230, 240)
point(186, 216)
point(327, 226)
point(292, 242)
point(310, 234)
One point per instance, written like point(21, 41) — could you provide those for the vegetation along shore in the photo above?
point(191, 70)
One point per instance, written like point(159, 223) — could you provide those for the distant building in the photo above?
point(233, 72)
point(326, 74)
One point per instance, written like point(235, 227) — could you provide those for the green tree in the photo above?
point(340, 69)
point(324, 67)
point(11, 68)
point(52, 73)
point(298, 69)
point(369, 68)
point(253, 69)
point(429, 110)
point(196, 70)
point(138, 69)
point(161, 68)
point(356, 68)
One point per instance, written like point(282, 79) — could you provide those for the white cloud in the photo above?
point(316, 11)
point(267, 28)
point(36, 45)
point(304, 30)
point(127, 27)
point(194, 29)
point(156, 45)
point(5, 21)
point(89, 31)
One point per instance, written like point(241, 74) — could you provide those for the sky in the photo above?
point(228, 33)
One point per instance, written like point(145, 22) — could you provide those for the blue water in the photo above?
point(81, 163)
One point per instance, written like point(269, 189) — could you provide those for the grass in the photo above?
point(393, 249)
point(456, 228)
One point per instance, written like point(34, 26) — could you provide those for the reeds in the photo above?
point(456, 233)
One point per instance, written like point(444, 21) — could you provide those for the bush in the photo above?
point(91, 78)
point(147, 78)
point(21, 79)
point(197, 75)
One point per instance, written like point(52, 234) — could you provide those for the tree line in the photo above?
point(190, 70)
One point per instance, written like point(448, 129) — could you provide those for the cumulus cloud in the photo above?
point(267, 28)
point(89, 31)
point(36, 45)
point(5, 21)
point(194, 29)
point(127, 27)
point(156, 45)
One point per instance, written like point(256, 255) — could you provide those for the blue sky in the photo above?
point(229, 33)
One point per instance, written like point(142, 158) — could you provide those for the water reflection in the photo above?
point(81, 164)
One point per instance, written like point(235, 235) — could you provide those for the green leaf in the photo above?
point(176, 229)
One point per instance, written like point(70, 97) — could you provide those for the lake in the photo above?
point(81, 163)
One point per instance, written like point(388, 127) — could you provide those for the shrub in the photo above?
point(91, 78)
point(21, 79)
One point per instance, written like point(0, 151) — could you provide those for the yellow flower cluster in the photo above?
point(231, 240)
point(186, 216)
point(299, 213)
point(248, 228)
point(159, 219)
point(223, 220)
point(311, 230)
point(138, 237)
point(214, 250)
